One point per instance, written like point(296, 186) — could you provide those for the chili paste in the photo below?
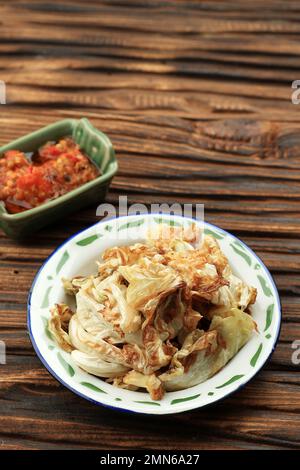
point(29, 180)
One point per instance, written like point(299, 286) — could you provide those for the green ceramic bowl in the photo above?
point(99, 149)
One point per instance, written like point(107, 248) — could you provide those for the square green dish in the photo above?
point(96, 146)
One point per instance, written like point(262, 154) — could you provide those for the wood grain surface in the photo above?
point(196, 97)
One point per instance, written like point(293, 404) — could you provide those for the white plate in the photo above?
point(77, 257)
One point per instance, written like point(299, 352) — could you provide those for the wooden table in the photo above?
point(196, 97)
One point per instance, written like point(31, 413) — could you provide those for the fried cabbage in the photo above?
point(205, 353)
point(162, 315)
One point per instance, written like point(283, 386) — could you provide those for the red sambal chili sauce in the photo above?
point(27, 181)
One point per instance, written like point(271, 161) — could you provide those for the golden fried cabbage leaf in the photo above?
point(205, 353)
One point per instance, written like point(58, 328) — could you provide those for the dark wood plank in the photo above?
point(196, 97)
